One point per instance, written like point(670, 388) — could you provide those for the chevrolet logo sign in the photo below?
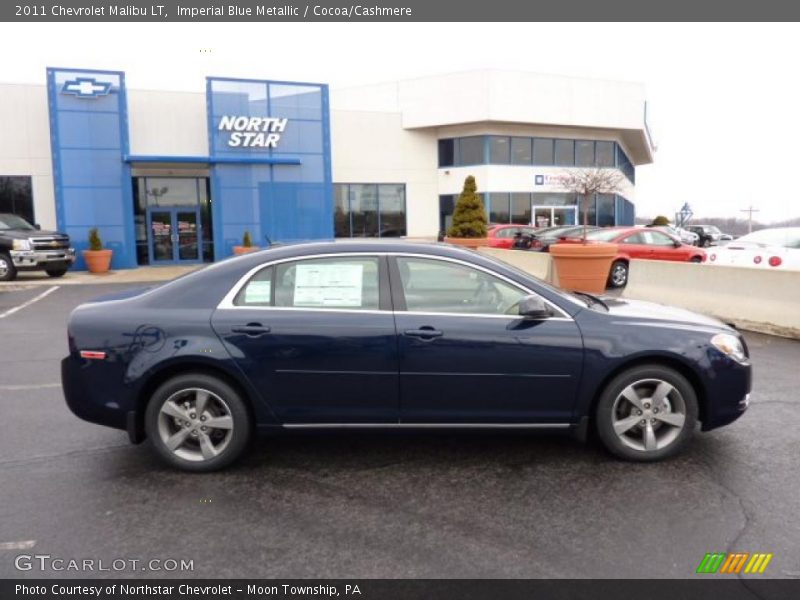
point(86, 87)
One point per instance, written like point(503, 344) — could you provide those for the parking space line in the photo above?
point(24, 545)
point(11, 311)
point(31, 386)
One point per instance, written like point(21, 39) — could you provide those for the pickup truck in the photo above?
point(24, 247)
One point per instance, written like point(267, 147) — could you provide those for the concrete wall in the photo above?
point(538, 264)
point(25, 145)
point(372, 147)
point(754, 299)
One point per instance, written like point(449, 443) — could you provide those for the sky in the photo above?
point(723, 99)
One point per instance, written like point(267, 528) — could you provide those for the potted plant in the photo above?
point(247, 245)
point(585, 266)
point(469, 218)
point(97, 258)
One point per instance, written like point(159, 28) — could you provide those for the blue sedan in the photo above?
point(393, 335)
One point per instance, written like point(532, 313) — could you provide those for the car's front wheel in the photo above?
point(647, 413)
point(618, 277)
point(197, 422)
point(8, 272)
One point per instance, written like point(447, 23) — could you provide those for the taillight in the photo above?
point(757, 260)
point(93, 355)
point(713, 257)
point(775, 261)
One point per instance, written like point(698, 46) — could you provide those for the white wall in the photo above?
point(372, 147)
point(25, 144)
point(167, 123)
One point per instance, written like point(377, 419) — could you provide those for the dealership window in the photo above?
point(447, 150)
point(498, 207)
point(521, 151)
point(624, 164)
point(470, 151)
point(604, 154)
point(605, 210)
point(543, 153)
point(369, 210)
point(565, 153)
point(584, 153)
point(499, 150)
point(16, 196)
point(521, 208)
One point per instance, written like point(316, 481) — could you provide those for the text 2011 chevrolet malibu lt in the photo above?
point(393, 335)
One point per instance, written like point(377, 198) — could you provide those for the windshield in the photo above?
point(603, 235)
point(14, 222)
point(788, 238)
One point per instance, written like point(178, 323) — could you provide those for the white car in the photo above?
point(768, 248)
point(684, 235)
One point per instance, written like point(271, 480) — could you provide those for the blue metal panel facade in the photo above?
point(276, 202)
point(89, 137)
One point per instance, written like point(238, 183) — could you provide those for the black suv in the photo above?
point(24, 247)
point(707, 234)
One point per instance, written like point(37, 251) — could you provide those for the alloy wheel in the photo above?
point(195, 424)
point(3, 267)
point(619, 275)
point(648, 415)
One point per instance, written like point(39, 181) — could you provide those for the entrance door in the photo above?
point(554, 216)
point(174, 235)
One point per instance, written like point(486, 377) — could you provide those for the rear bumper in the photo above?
point(85, 395)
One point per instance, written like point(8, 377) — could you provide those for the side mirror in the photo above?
point(678, 243)
point(533, 307)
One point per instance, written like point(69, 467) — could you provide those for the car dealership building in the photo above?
point(171, 177)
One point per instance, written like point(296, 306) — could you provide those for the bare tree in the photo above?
point(586, 183)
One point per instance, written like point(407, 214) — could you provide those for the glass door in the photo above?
point(159, 226)
point(554, 216)
point(542, 216)
point(174, 235)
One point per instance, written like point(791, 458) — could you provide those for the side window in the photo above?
point(315, 283)
point(340, 282)
point(636, 238)
point(656, 238)
point(257, 291)
point(431, 285)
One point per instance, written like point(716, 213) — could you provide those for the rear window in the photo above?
point(603, 235)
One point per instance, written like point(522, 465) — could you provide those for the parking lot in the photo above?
point(387, 505)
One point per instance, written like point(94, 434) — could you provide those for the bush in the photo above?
point(469, 216)
point(95, 243)
point(660, 221)
point(247, 242)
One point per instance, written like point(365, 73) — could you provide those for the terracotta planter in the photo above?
point(245, 249)
point(97, 261)
point(467, 242)
point(583, 267)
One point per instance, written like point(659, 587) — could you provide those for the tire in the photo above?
point(8, 272)
point(670, 427)
point(56, 272)
point(618, 276)
point(198, 447)
point(696, 259)
point(706, 243)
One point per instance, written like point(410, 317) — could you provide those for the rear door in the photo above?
point(466, 357)
point(316, 337)
point(635, 246)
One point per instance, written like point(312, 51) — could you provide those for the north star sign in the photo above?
point(253, 132)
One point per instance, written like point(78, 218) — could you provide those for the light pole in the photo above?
point(749, 212)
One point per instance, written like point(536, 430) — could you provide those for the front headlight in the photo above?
point(21, 245)
point(730, 345)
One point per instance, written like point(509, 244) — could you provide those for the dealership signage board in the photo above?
point(252, 132)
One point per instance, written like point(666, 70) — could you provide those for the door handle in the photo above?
point(251, 329)
point(425, 333)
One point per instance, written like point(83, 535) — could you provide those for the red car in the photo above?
point(640, 242)
point(502, 236)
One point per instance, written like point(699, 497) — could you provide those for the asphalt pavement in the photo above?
point(374, 505)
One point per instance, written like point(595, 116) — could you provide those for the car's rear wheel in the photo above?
point(647, 413)
point(696, 259)
point(618, 277)
point(8, 272)
point(56, 272)
point(197, 423)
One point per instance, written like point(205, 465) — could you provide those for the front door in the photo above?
point(316, 337)
point(554, 216)
point(174, 234)
point(465, 357)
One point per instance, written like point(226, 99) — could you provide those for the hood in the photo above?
point(24, 234)
point(639, 310)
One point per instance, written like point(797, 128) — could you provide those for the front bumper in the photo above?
point(728, 394)
point(23, 259)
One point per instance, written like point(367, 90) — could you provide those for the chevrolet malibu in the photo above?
point(393, 336)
